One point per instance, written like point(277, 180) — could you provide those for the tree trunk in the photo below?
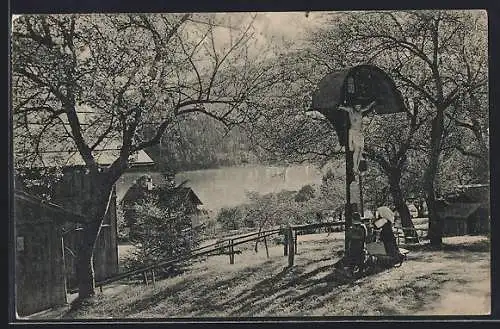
point(97, 208)
point(399, 202)
point(435, 226)
point(435, 232)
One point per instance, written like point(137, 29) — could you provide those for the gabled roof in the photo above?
point(135, 192)
point(176, 194)
point(183, 193)
point(470, 193)
point(63, 153)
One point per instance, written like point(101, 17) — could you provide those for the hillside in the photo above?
point(454, 280)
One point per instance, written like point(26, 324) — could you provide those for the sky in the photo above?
point(288, 25)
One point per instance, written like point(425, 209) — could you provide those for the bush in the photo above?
point(305, 194)
point(161, 232)
point(122, 229)
point(230, 218)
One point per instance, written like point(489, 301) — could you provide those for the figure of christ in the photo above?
point(356, 140)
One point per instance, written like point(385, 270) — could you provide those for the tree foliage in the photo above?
point(161, 233)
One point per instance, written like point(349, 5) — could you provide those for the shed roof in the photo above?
point(459, 210)
point(70, 216)
point(184, 193)
point(470, 193)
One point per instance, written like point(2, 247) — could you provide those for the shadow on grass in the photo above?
point(475, 246)
point(280, 281)
point(126, 309)
point(271, 287)
point(281, 290)
point(406, 297)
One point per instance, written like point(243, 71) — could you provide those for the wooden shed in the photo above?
point(40, 280)
point(464, 219)
point(106, 249)
point(356, 85)
point(72, 193)
point(179, 195)
point(466, 210)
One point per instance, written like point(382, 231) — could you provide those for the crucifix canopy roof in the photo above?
point(359, 84)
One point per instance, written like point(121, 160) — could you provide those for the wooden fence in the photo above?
point(227, 247)
point(401, 233)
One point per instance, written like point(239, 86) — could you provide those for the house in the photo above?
point(177, 195)
point(466, 210)
point(72, 193)
point(139, 190)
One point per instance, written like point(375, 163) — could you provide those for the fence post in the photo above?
point(153, 276)
point(265, 244)
point(231, 252)
point(291, 247)
point(295, 242)
point(285, 243)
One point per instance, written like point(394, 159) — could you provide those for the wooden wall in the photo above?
point(39, 273)
point(454, 227)
point(73, 194)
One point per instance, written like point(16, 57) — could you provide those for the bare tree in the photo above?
point(389, 149)
point(87, 82)
point(440, 55)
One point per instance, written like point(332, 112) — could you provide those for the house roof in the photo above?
point(467, 186)
point(184, 193)
point(135, 192)
point(104, 157)
point(62, 153)
point(180, 193)
point(459, 210)
point(470, 193)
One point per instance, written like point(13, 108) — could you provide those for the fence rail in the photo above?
point(195, 253)
point(317, 225)
point(227, 244)
point(404, 230)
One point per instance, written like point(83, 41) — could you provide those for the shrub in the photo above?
point(305, 194)
point(230, 218)
point(161, 232)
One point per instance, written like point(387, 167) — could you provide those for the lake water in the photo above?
point(227, 186)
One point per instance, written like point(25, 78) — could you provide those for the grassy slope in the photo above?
point(430, 282)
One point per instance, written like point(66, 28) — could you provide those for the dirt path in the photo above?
point(456, 299)
point(469, 290)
